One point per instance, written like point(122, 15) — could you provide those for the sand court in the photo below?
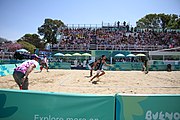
point(77, 81)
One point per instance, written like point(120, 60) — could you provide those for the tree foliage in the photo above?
point(14, 46)
point(33, 39)
point(160, 21)
point(49, 29)
point(27, 46)
point(11, 47)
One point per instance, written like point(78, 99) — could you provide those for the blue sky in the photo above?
point(19, 17)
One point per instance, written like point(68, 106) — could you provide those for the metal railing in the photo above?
point(70, 47)
point(81, 47)
point(6, 55)
point(84, 25)
point(131, 47)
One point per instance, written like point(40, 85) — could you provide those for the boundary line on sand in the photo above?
point(85, 86)
point(66, 79)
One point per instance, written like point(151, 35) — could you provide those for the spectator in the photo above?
point(82, 38)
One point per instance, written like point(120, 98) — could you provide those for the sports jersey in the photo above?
point(25, 65)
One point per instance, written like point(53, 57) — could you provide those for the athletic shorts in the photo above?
point(18, 79)
point(89, 67)
point(44, 65)
point(98, 71)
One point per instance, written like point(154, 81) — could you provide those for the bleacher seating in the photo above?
point(116, 39)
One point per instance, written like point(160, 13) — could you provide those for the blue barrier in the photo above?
point(147, 107)
point(7, 69)
point(33, 105)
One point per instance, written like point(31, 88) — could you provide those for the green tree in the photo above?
point(174, 22)
point(12, 47)
point(163, 21)
point(49, 29)
point(33, 39)
point(27, 46)
point(149, 21)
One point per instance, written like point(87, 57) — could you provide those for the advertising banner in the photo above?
point(147, 107)
point(31, 105)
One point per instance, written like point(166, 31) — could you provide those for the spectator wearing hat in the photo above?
point(21, 72)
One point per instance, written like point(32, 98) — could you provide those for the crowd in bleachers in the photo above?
point(84, 37)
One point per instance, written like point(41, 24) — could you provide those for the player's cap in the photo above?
point(34, 56)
